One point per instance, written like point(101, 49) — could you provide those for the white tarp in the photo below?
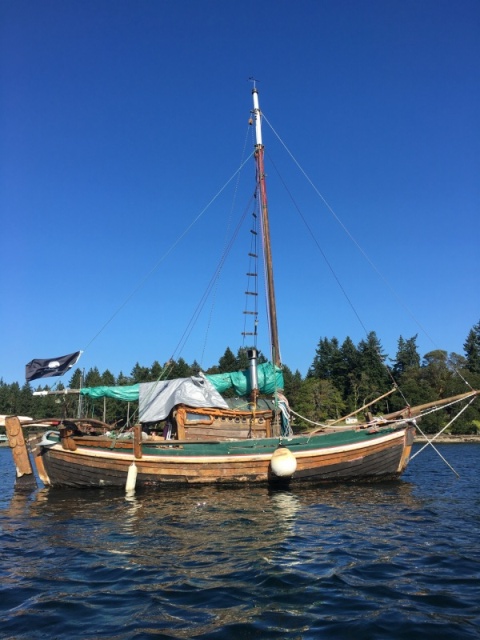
point(157, 399)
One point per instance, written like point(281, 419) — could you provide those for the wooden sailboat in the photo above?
point(209, 439)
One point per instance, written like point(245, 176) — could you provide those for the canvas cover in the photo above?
point(128, 393)
point(157, 399)
point(270, 379)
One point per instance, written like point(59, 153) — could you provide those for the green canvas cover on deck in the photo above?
point(127, 393)
point(270, 379)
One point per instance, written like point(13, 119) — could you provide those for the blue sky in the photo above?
point(121, 120)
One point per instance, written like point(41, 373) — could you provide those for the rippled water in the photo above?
point(390, 560)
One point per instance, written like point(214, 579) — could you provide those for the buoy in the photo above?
point(131, 478)
point(283, 462)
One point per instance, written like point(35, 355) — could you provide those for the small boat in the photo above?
point(210, 439)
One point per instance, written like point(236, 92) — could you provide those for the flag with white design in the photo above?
point(49, 367)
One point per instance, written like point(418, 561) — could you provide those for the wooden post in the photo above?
point(137, 441)
point(25, 477)
point(66, 439)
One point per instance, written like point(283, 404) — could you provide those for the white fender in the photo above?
point(283, 462)
point(131, 478)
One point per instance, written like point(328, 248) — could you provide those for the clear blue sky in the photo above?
point(120, 120)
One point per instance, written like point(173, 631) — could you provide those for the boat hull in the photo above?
point(326, 458)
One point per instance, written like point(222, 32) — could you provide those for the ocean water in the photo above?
point(392, 560)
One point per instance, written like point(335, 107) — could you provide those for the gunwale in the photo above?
point(167, 451)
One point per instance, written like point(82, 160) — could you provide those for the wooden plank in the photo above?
point(16, 440)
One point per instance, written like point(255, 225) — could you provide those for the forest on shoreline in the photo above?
point(342, 378)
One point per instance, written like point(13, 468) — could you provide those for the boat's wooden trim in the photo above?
point(244, 456)
point(382, 456)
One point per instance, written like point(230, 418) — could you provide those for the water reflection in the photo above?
point(193, 561)
point(206, 530)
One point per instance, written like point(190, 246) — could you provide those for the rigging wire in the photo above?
point(359, 247)
point(329, 265)
point(168, 366)
point(229, 222)
point(201, 304)
point(181, 343)
point(167, 253)
point(430, 442)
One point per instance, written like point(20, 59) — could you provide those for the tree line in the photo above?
point(342, 378)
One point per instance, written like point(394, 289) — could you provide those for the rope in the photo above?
point(430, 442)
point(437, 451)
point(395, 421)
point(167, 253)
point(225, 242)
point(359, 247)
point(317, 424)
point(340, 285)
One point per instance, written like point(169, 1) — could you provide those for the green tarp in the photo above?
point(127, 393)
point(270, 378)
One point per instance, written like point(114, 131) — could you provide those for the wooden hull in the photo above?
point(334, 457)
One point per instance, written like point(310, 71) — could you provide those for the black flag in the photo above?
point(50, 367)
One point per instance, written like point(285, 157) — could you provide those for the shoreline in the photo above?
point(449, 439)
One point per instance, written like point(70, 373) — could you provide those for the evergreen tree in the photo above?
point(348, 375)
point(319, 400)
point(436, 372)
point(407, 356)
point(76, 381)
point(374, 378)
point(242, 361)
point(293, 384)
point(179, 369)
point(108, 379)
point(93, 378)
point(12, 399)
point(228, 362)
point(327, 360)
point(122, 379)
point(3, 396)
point(156, 371)
point(472, 349)
point(46, 406)
point(93, 408)
point(25, 401)
point(139, 374)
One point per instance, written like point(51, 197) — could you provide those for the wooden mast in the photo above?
point(259, 158)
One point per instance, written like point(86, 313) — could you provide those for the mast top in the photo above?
point(253, 81)
point(257, 115)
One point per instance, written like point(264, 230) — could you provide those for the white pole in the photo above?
point(258, 117)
